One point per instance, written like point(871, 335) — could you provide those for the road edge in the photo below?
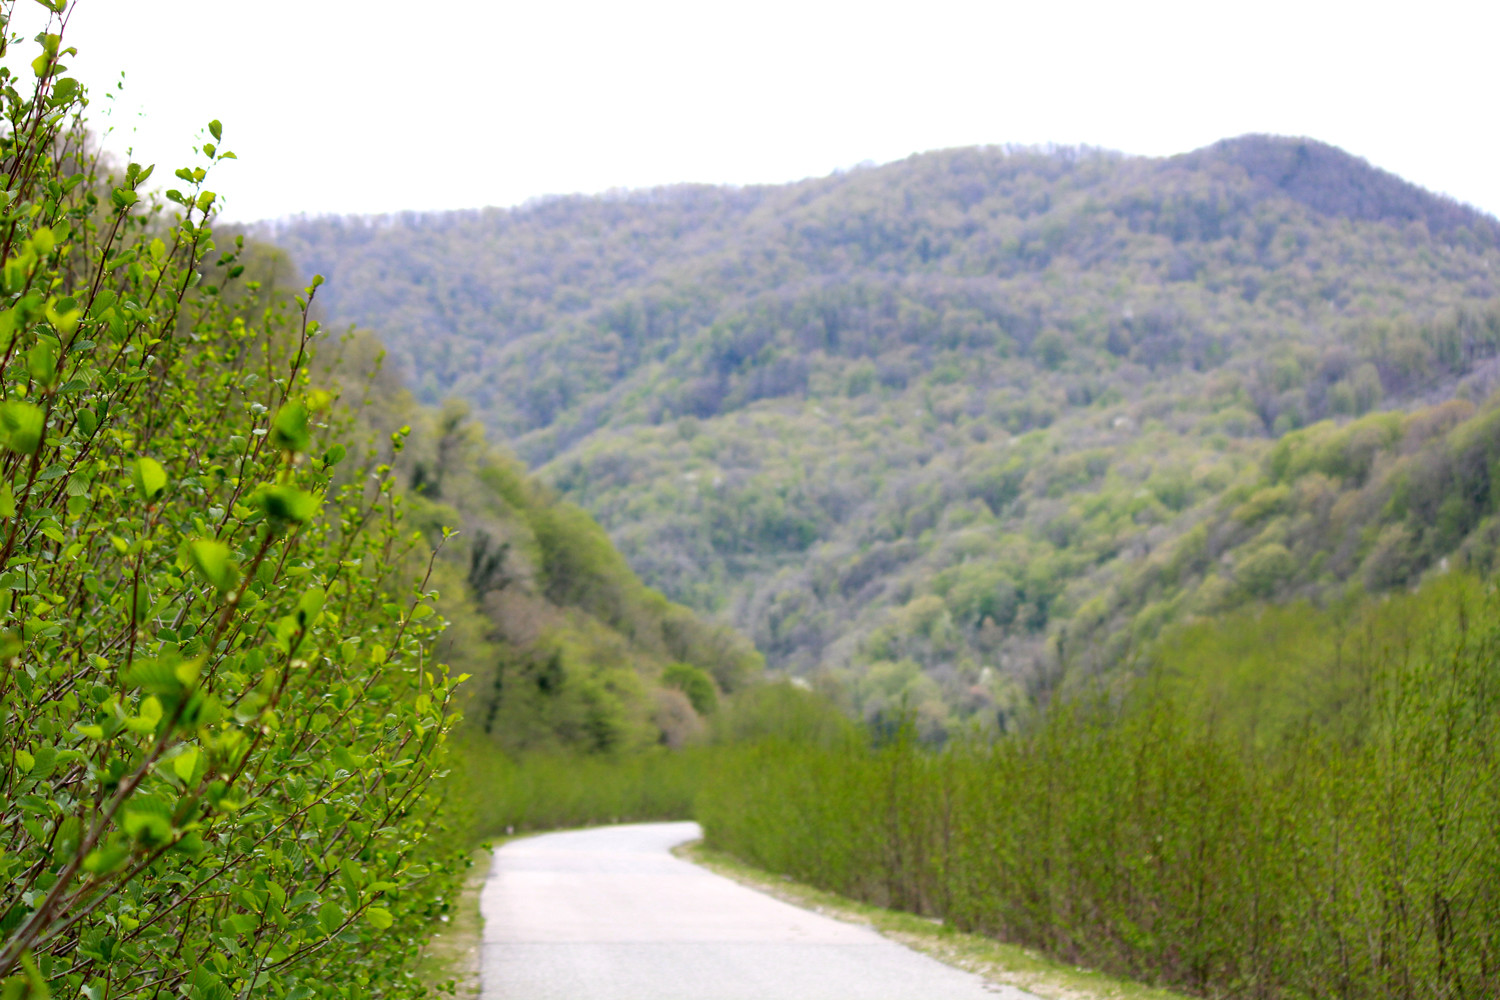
point(999, 963)
point(449, 961)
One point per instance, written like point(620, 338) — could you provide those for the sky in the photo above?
point(372, 106)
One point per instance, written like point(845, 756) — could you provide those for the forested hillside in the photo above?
point(567, 651)
point(943, 431)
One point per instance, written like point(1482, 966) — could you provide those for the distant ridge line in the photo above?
point(1318, 175)
point(1335, 183)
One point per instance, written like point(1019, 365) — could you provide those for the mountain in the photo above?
point(564, 648)
point(923, 429)
point(1331, 182)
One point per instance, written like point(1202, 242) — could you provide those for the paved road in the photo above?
point(609, 914)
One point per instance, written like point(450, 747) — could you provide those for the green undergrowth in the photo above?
point(450, 962)
point(502, 794)
point(996, 961)
point(223, 724)
point(1323, 828)
point(562, 792)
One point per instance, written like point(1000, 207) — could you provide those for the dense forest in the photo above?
point(942, 434)
point(565, 648)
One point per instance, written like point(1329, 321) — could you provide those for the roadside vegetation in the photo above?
point(1289, 802)
point(237, 562)
point(997, 962)
point(221, 723)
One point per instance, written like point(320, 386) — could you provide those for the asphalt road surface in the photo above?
point(610, 914)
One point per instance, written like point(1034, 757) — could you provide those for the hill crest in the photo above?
point(1336, 183)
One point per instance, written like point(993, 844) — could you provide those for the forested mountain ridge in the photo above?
point(921, 427)
point(461, 293)
point(1331, 182)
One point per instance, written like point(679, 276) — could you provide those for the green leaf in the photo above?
point(21, 425)
point(149, 477)
point(149, 718)
point(185, 763)
point(216, 130)
point(330, 916)
point(65, 840)
point(192, 844)
point(380, 919)
point(7, 501)
point(309, 605)
point(30, 985)
point(286, 505)
point(167, 676)
point(148, 822)
point(44, 761)
point(64, 316)
point(289, 431)
point(41, 362)
point(109, 858)
point(211, 559)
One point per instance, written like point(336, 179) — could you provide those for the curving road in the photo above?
point(609, 914)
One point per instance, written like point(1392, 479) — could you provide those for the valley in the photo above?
point(946, 434)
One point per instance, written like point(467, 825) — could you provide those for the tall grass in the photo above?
point(1162, 837)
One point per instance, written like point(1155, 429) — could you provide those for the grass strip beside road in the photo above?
point(450, 961)
point(1006, 964)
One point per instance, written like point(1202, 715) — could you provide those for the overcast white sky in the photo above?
point(375, 106)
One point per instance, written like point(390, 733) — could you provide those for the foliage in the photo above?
point(1013, 382)
point(780, 711)
point(1372, 504)
point(568, 651)
point(220, 718)
point(542, 791)
point(1321, 829)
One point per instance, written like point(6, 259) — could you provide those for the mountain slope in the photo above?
point(1330, 181)
point(906, 424)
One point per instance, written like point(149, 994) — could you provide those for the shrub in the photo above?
point(1329, 832)
point(217, 715)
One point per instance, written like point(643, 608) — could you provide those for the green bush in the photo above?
point(694, 682)
point(218, 717)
